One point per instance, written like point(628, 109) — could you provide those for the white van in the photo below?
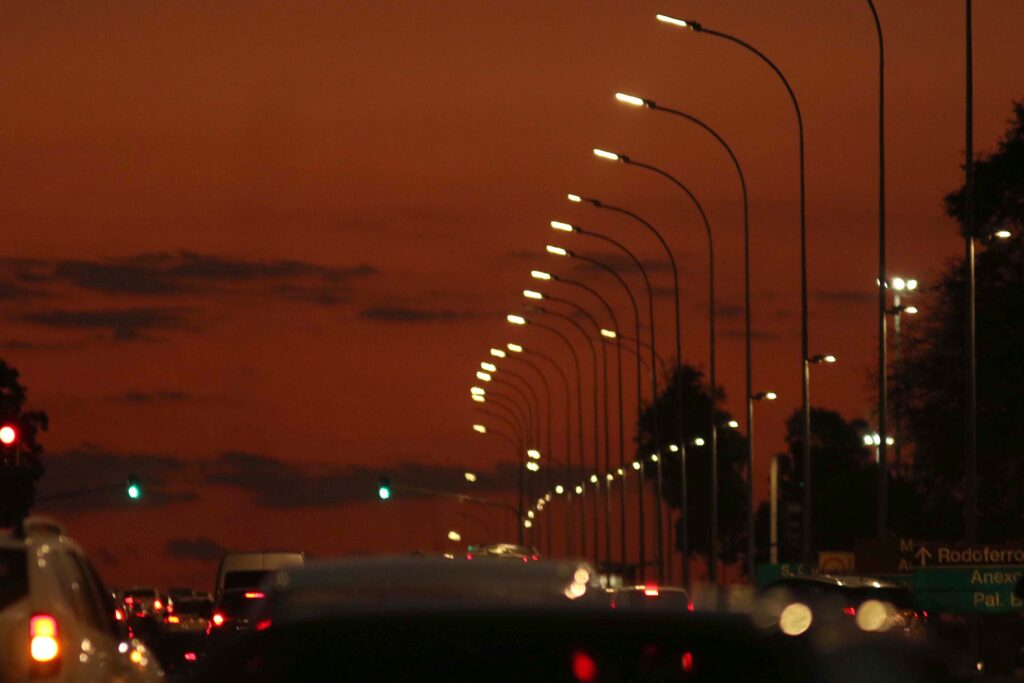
point(247, 570)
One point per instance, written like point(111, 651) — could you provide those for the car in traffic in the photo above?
point(865, 603)
point(57, 620)
point(502, 551)
point(234, 614)
point(415, 619)
point(248, 569)
point(649, 596)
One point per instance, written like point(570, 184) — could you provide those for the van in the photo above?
point(247, 570)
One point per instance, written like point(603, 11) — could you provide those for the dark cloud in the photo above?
point(199, 548)
point(90, 478)
point(184, 272)
point(275, 483)
point(24, 345)
point(845, 296)
point(124, 324)
point(151, 396)
point(414, 315)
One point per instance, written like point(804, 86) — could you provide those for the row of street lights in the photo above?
point(527, 424)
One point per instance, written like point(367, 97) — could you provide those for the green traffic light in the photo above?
point(384, 488)
point(134, 490)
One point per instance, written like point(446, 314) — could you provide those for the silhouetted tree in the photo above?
point(931, 376)
point(731, 463)
point(20, 465)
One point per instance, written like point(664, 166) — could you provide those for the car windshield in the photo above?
point(13, 577)
point(485, 645)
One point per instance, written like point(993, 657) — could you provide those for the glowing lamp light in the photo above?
point(579, 490)
point(514, 348)
point(666, 19)
point(255, 595)
point(8, 435)
point(480, 429)
point(609, 334)
point(483, 376)
point(899, 284)
point(673, 448)
point(454, 536)
point(564, 227)
point(621, 472)
point(533, 466)
point(478, 399)
point(771, 395)
point(637, 465)
point(593, 479)
point(1003, 234)
point(477, 391)
point(610, 477)
point(516, 319)
point(531, 294)
point(527, 524)
point(829, 358)
point(911, 284)
point(651, 590)
point(540, 275)
point(573, 198)
point(910, 310)
point(470, 477)
point(43, 632)
point(218, 619)
point(557, 251)
point(629, 99)
point(605, 154)
point(489, 367)
point(559, 489)
point(733, 424)
point(699, 441)
point(533, 453)
point(795, 619)
point(498, 353)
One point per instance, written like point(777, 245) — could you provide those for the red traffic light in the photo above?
point(8, 434)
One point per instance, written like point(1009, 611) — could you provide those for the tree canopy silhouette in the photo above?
point(731, 462)
point(20, 464)
point(931, 377)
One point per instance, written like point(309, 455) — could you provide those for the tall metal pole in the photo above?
point(751, 535)
point(883, 283)
point(806, 407)
point(579, 416)
point(971, 422)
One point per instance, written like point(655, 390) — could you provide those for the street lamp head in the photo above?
point(673, 448)
point(515, 320)
point(610, 156)
point(533, 454)
point(822, 358)
point(488, 367)
point(498, 353)
point(770, 395)
point(733, 424)
point(479, 429)
point(559, 489)
point(477, 391)
point(1002, 234)
point(637, 465)
point(483, 376)
point(829, 358)
point(574, 198)
point(514, 348)
point(608, 334)
point(654, 457)
point(564, 227)
point(454, 536)
point(681, 23)
point(541, 275)
point(478, 398)
point(470, 477)
point(610, 477)
point(593, 479)
point(578, 490)
point(557, 251)
point(533, 466)
point(910, 310)
point(899, 284)
point(698, 441)
point(578, 199)
point(530, 294)
point(911, 285)
point(633, 100)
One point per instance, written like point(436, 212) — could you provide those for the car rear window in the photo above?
point(246, 579)
point(500, 647)
point(13, 577)
point(192, 607)
point(235, 605)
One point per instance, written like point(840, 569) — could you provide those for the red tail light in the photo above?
point(850, 611)
point(687, 662)
point(469, 556)
point(44, 646)
point(534, 558)
point(171, 619)
point(255, 595)
point(263, 625)
point(651, 590)
point(689, 606)
point(118, 614)
point(217, 619)
point(157, 605)
point(190, 657)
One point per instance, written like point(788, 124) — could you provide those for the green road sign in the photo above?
point(767, 573)
point(968, 589)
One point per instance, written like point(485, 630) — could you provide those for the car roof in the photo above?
point(840, 581)
point(409, 582)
